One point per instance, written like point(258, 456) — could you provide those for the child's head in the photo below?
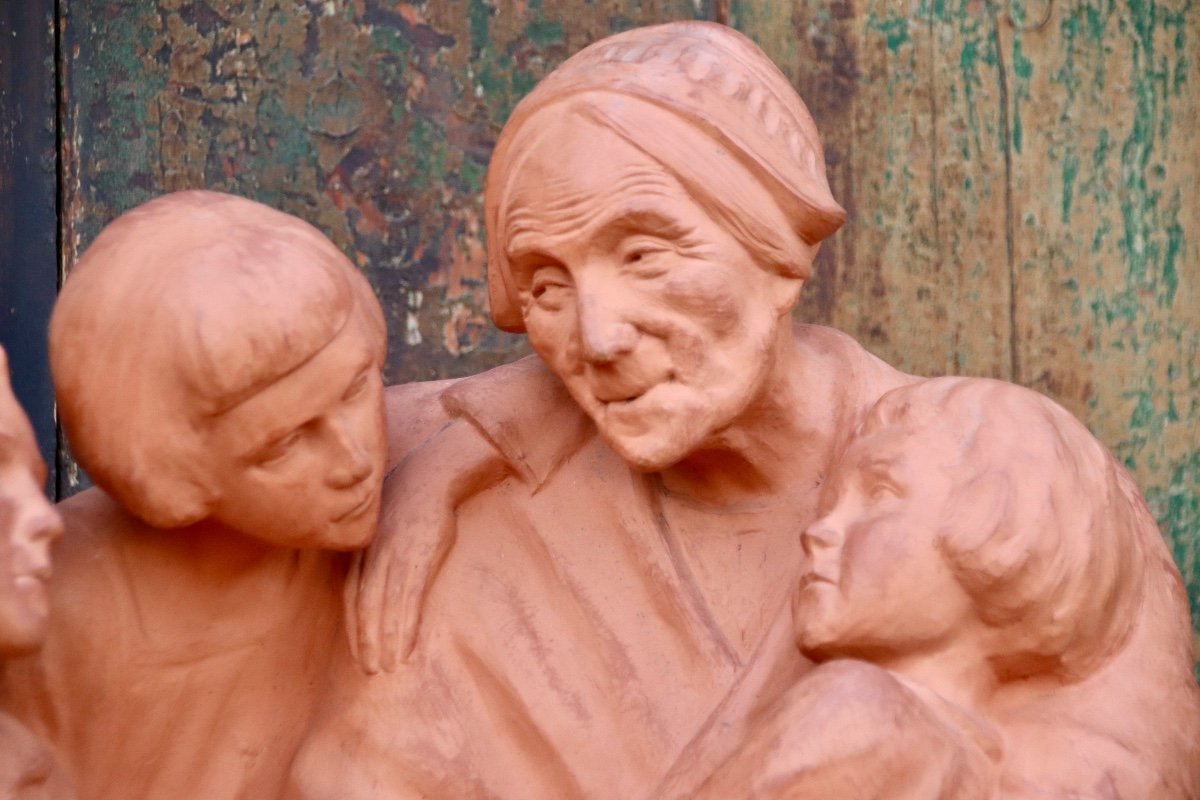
point(28, 525)
point(216, 358)
point(973, 505)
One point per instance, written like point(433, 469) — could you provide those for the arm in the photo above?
point(449, 441)
point(851, 730)
point(388, 581)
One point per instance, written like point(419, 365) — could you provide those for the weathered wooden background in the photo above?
point(1022, 176)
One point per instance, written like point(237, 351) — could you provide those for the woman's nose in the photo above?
point(604, 334)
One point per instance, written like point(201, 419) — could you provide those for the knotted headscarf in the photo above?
point(710, 79)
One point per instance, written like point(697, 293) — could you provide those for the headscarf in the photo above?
point(712, 78)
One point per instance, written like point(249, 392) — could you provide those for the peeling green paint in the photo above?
point(1069, 170)
point(893, 28)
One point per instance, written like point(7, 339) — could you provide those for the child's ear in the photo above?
point(163, 502)
point(978, 514)
point(177, 508)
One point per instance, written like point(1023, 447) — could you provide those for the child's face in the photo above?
point(28, 525)
point(300, 464)
point(875, 583)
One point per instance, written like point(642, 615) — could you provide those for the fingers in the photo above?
point(418, 578)
point(369, 607)
point(389, 624)
point(411, 597)
point(350, 603)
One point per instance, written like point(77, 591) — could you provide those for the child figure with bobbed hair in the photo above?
point(980, 571)
point(218, 371)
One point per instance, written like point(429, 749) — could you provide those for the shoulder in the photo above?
point(90, 568)
point(854, 376)
point(843, 350)
point(414, 414)
point(521, 408)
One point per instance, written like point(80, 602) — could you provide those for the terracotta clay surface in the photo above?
point(687, 550)
point(28, 526)
point(229, 406)
point(611, 605)
point(993, 565)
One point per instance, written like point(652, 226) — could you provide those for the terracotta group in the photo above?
point(687, 550)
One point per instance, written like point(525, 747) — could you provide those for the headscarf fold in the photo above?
point(712, 77)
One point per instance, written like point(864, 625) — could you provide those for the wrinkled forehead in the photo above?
point(576, 172)
point(566, 148)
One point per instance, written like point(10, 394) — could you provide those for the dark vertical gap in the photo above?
point(28, 209)
point(1009, 225)
point(720, 11)
point(936, 189)
point(60, 188)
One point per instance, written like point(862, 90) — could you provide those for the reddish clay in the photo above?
point(687, 550)
point(608, 603)
point(28, 525)
point(217, 365)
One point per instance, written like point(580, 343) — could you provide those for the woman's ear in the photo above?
point(785, 293)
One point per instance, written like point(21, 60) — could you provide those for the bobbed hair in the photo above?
point(1043, 528)
point(181, 309)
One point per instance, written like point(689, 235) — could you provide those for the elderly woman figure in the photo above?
point(653, 209)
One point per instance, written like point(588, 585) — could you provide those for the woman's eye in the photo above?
point(548, 288)
point(647, 258)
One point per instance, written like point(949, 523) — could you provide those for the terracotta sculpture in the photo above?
point(583, 581)
point(217, 365)
point(987, 557)
point(28, 525)
point(653, 209)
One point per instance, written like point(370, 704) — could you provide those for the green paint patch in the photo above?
point(427, 145)
point(1170, 271)
point(1176, 507)
point(1023, 71)
point(478, 14)
point(544, 33)
point(894, 30)
point(472, 175)
point(1069, 171)
point(1143, 415)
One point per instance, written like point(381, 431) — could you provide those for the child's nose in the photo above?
point(820, 536)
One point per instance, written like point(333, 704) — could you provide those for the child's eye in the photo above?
point(278, 450)
point(356, 388)
point(883, 489)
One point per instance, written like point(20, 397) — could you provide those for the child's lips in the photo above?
point(816, 577)
point(356, 509)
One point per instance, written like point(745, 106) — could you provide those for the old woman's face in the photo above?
point(658, 320)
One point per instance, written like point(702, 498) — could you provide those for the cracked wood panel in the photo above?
point(1024, 197)
point(1020, 175)
point(373, 120)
